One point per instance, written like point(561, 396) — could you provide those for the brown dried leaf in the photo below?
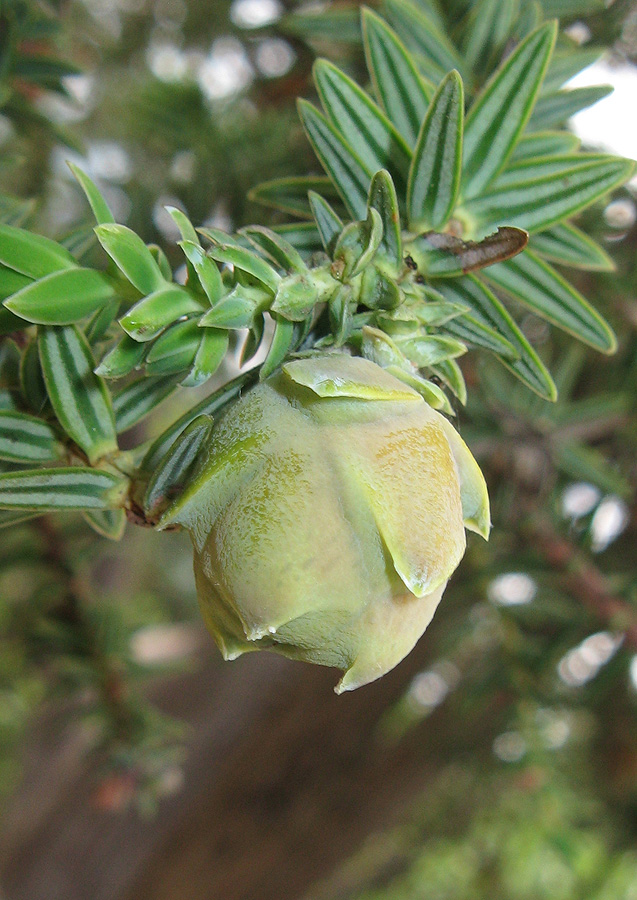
point(474, 255)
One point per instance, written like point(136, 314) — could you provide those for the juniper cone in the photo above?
point(327, 515)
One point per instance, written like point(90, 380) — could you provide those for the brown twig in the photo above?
point(112, 686)
point(583, 579)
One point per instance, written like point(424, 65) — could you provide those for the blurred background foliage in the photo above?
point(522, 704)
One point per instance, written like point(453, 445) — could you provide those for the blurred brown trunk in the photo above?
point(284, 781)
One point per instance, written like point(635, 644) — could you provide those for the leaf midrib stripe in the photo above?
point(395, 154)
point(322, 135)
point(428, 200)
point(88, 407)
point(478, 152)
point(561, 302)
point(401, 90)
point(503, 203)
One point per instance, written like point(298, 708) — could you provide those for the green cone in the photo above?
point(327, 515)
